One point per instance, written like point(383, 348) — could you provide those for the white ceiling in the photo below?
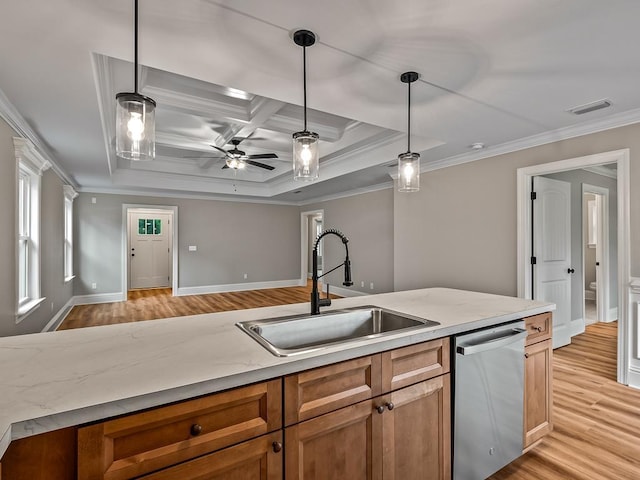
point(499, 72)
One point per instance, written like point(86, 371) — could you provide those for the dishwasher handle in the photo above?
point(513, 335)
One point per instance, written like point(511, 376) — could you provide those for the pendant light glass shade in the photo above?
point(306, 158)
point(135, 116)
point(135, 127)
point(409, 172)
point(409, 162)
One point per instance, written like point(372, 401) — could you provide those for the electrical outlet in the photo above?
point(94, 285)
point(371, 285)
point(362, 284)
point(246, 275)
point(193, 248)
point(93, 199)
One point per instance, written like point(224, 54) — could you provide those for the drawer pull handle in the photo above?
point(538, 329)
point(390, 406)
point(380, 409)
point(277, 446)
point(526, 355)
point(196, 429)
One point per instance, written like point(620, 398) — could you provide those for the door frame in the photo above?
point(304, 242)
point(523, 179)
point(173, 211)
point(602, 247)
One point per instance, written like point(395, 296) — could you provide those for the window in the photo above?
point(30, 165)
point(69, 195)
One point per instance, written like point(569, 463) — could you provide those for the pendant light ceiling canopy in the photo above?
point(409, 162)
point(135, 116)
point(306, 158)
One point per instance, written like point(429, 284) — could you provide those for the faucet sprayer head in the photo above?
point(347, 272)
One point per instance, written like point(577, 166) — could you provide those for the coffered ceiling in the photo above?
point(497, 72)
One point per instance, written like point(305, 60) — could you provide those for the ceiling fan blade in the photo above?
point(206, 156)
point(261, 165)
point(259, 156)
point(225, 166)
point(224, 152)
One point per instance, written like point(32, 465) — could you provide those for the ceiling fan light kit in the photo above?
point(306, 157)
point(135, 116)
point(409, 162)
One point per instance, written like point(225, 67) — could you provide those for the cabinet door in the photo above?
point(257, 459)
point(416, 431)
point(344, 444)
point(538, 399)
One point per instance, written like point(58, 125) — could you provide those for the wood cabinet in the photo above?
point(538, 375)
point(145, 442)
point(403, 433)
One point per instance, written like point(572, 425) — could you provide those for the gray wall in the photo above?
point(232, 238)
point(576, 178)
point(367, 220)
point(53, 287)
point(460, 229)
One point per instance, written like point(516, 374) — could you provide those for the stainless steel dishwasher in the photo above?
point(488, 400)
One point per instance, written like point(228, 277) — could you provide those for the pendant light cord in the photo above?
point(408, 117)
point(135, 47)
point(304, 83)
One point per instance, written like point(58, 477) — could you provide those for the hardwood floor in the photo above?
point(596, 420)
point(159, 303)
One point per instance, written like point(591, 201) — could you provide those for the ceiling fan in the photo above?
point(238, 160)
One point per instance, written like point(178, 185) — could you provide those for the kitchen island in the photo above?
point(63, 379)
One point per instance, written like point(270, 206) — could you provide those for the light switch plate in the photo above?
point(193, 248)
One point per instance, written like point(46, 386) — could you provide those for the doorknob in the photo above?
point(570, 270)
point(597, 264)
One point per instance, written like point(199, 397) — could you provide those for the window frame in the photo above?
point(69, 195)
point(29, 168)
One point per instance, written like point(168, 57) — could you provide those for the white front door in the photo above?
point(552, 250)
point(149, 249)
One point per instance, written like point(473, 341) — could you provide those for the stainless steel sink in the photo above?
point(285, 336)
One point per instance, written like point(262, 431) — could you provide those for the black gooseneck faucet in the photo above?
point(316, 301)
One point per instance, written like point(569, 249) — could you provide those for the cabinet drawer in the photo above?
point(415, 363)
point(322, 390)
point(538, 327)
point(257, 459)
point(144, 442)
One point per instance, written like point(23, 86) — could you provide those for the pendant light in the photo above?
point(409, 162)
point(135, 117)
point(305, 143)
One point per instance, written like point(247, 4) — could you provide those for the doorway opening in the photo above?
point(527, 264)
point(596, 255)
point(150, 259)
point(311, 225)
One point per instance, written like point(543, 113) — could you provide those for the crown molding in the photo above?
point(103, 81)
point(37, 147)
point(602, 170)
point(350, 193)
point(614, 121)
point(69, 192)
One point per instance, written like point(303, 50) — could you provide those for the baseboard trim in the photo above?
point(59, 317)
point(577, 326)
point(633, 377)
point(236, 287)
point(612, 314)
point(99, 298)
point(346, 292)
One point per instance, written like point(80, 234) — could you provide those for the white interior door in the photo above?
point(149, 249)
point(552, 249)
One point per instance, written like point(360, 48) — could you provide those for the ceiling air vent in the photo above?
point(590, 107)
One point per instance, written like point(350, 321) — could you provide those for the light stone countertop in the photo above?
point(54, 380)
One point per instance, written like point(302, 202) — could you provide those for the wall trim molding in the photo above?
point(235, 287)
point(634, 377)
point(612, 314)
point(99, 298)
point(577, 326)
point(350, 193)
point(59, 317)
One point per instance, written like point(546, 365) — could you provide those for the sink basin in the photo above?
point(285, 336)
